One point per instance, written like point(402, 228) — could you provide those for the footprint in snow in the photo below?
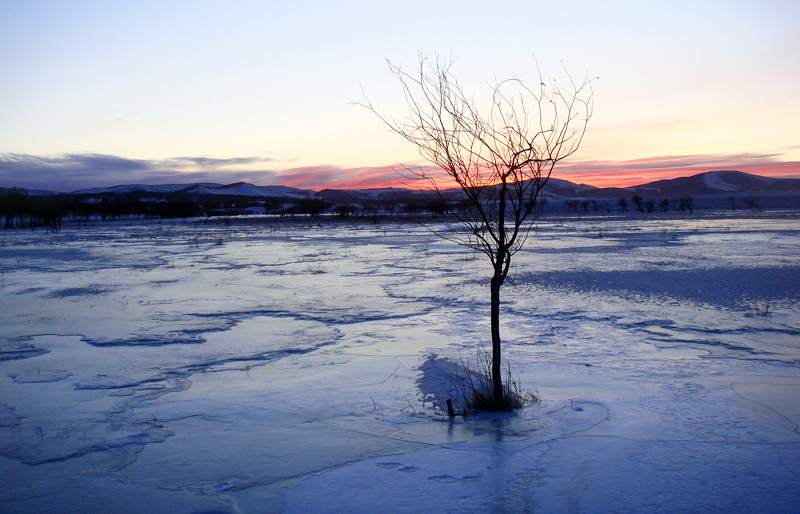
point(398, 467)
point(445, 479)
point(450, 479)
point(390, 465)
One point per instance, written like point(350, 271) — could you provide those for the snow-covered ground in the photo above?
point(258, 367)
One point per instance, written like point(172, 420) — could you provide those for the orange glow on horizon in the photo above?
point(628, 177)
point(598, 174)
point(332, 177)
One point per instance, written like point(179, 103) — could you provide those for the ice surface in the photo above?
point(267, 366)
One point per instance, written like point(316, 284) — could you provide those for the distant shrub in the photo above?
point(686, 204)
point(760, 310)
point(751, 203)
point(343, 210)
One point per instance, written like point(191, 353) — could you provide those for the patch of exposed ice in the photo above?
point(265, 367)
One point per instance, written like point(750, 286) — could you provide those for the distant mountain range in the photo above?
point(723, 182)
point(708, 190)
point(203, 188)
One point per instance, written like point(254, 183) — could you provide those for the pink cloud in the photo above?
point(335, 177)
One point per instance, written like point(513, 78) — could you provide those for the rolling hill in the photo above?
point(723, 182)
point(714, 189)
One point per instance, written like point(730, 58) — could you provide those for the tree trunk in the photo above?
point(497, 383)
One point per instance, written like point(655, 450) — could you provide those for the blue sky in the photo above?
point(105, 92)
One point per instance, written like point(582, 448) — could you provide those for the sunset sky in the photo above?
point(100, 93)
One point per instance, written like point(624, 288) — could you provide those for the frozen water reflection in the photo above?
point(268, 367)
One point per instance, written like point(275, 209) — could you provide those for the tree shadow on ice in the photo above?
point(457, 393)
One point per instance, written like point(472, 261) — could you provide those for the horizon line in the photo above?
point(66, 173)
point(793, 174)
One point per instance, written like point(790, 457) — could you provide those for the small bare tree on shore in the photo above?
point(501, 158)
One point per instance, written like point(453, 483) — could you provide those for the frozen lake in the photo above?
point(267, 366)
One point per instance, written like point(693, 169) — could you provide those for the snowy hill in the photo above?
point(566, 188)
point(143, 188)
point(236, 189)
point(718, 182)
point(555, 189)
point(246, 189)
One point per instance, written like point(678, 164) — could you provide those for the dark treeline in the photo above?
point(18, 209)
point(371, 209)
point(636, 203)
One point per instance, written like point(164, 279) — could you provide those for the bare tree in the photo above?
point(501, 158)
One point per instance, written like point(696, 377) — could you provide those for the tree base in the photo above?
point(475, 387)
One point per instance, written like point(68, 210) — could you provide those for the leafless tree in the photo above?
point(500, 157)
